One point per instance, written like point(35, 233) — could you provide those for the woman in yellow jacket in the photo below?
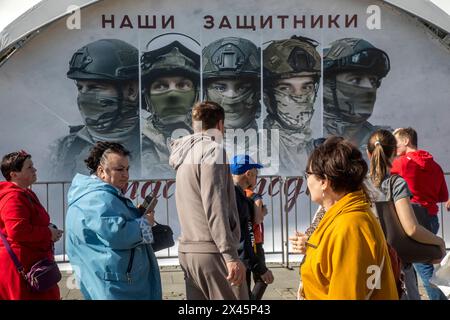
point(346, 255)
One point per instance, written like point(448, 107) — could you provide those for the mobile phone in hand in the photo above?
point(149, 203)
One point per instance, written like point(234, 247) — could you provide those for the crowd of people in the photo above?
point(108, 238)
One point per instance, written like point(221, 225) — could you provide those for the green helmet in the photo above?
point(291, 57)
point(172, 59)
point(105, 59)
point(231, 57)
point(353, 54)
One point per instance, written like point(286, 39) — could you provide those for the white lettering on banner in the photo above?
point(73, 21)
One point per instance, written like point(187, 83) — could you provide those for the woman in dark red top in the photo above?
point(26, 226)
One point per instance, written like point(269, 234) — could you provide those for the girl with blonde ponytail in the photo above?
point(381, 150)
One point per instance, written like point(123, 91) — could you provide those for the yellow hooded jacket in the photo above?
point(347, 256)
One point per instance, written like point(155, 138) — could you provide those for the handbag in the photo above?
point(162, 237)
point(42, 276)
point(422, 216)
point(408, 249)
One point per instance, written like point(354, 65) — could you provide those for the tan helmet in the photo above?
point(291, 57)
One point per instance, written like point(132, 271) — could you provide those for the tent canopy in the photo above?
point(47, 11)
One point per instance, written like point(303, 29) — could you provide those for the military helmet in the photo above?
point(105, 59)
point(350, 54)
point(172, 59)
point(291, 57)
point(231, 57)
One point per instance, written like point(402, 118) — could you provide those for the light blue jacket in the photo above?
point(102, 228)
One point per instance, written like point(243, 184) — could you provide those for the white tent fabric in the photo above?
point(38, 16)
point(426, 10)
point(48, 11)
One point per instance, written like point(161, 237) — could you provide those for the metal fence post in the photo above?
point(286, 225)
point(283, 257)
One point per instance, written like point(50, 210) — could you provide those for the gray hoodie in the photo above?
point(205, 197)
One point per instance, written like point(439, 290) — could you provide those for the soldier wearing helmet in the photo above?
point(231, 78)
point(353, 69)
point(291, 80)
point(170, 82)
point(106, 76)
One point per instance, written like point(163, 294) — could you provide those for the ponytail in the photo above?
point(378, 165)
point(381, 147)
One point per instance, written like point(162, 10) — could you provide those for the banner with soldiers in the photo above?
point(286, 73)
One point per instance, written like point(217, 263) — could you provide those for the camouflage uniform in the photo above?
point(107, 118)
point(290, 114)
point(68, 153)
point(158, 127)
point(348, 107)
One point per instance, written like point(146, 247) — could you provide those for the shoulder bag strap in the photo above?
point(11, 253)
point(13, 256)
point(130, 266)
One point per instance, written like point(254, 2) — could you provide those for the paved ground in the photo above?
point(283, 288)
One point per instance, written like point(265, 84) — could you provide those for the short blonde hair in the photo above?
point(408, 133)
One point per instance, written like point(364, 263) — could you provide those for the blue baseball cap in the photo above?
point(241, 163)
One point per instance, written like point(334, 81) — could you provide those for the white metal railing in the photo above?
point(286, 198)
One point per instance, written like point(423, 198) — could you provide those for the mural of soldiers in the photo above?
point(353, 69)
point(231, 78)
point(291, 80)
point(106, 75)
point(170, 82)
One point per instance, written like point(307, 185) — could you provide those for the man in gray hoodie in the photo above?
point(207, 211)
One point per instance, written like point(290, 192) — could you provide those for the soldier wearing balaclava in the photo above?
point(291, 80)
point(231, 77)
point(353, 69)
point(106, 76)
point(170, 82)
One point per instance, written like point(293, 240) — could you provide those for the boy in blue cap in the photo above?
point(245, 171)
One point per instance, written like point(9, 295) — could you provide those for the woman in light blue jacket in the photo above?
point(108, 239)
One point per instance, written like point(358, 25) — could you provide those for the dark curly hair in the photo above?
point(99, 152)
point(13, 162)
point(340, 162)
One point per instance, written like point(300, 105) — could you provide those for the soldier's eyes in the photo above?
point(243, 88)
point(284, 88)
point(159, 86)
point(219, 87)
point(185, 85)
point(373, 81)
point(355, 81)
